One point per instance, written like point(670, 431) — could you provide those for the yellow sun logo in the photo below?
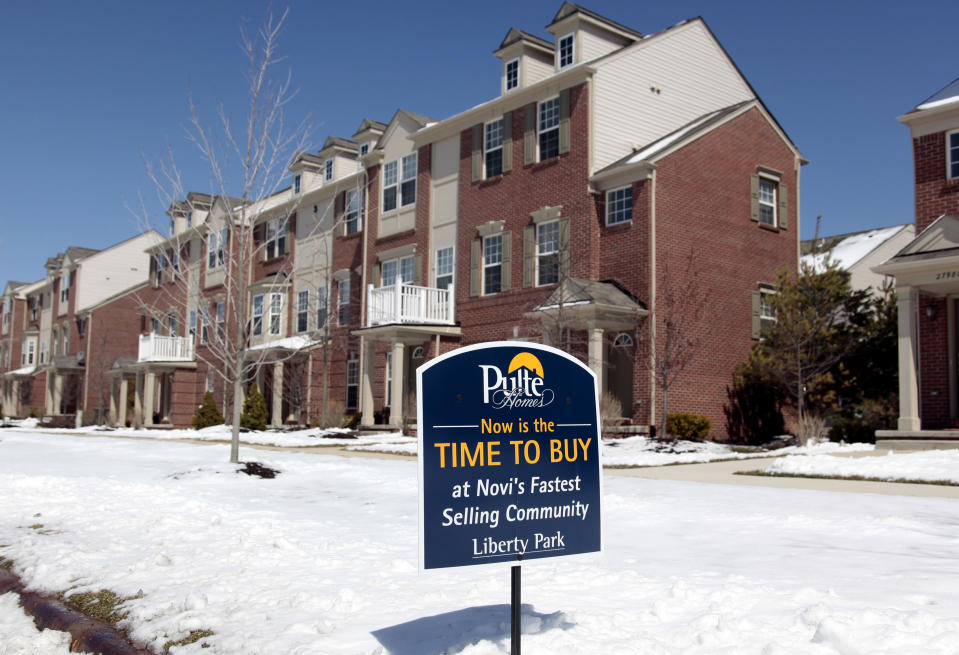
point(529, 361)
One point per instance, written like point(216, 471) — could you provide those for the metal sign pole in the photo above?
point(515, 611)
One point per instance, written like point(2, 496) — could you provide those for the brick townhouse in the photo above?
point(563, 211)
point(927, 280)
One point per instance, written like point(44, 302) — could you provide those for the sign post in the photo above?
point(509, 458)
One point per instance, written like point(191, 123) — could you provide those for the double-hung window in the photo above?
point(768, 190)
point(352, 382)
point(619, 205)
point(492, 264)
point(512, 74)
point(322, 296)
point(302, 311)
point(221, 320)
point(257, 327)
point(493, 148)
point(343, 308)
point(192, 325)
point(43, 352)
point(65, 288)
point(352, 208)
point(275, 238)
point(565, 51)
point(548, 132)
point(66, 338)
point(547, 253)
point(402, 268)
point(216, 248)
point(276, 312)
point(952, 154)
point(29, 352)
point(399, 182)
point(297, 179)
point(172, 324)
point(444, 267)
point(328, 170)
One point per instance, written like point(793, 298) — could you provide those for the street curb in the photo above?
point(88, 635)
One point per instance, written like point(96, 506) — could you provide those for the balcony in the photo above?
point(409, 304)
point(156, 348)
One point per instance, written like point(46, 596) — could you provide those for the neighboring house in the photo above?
point(859, 252)
point(562, 211)
point(927, 281)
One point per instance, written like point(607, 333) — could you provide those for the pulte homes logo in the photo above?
point(523, 384)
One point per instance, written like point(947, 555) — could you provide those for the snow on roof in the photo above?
point(853, 248)
point(289, 343)
point(668, 140)
point(944, 96)
point(26, 370)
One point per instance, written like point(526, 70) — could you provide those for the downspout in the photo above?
point(652, 298)
point(363, 397)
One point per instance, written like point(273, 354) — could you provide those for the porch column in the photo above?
point(138, 400)
point(399, 383)
point(122, 402)
point(112, 415)
point(908, 386)
point(596, 352)
point(277, 421)
point(149, 392)
point(366, 381)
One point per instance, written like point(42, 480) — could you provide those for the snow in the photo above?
point(26, 370)
point(21, 637)
point(852, 249)
point(322, 560)
point(666, 141)
point(289, 343)
point(922, 466)
point(939, 103)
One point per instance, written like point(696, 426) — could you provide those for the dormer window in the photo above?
point(364, 148)
point(512, 74)
point(565, 51)
point(296, 185)
point(328, 170)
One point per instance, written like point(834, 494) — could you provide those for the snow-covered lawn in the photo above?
point(924, 466)
point(322, 559)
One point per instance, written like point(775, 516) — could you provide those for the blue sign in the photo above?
point(509, 455)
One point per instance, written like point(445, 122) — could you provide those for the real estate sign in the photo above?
point(508, 454)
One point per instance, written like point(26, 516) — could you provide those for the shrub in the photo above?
point(335, 409)
point(610, 409)
point(254, 410)
point(207, 414)
point(753, 414)
point(860, 422)
point(688, 426)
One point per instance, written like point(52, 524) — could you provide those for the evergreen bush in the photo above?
point(254, 410)
point(688, 426)
point(207, 414)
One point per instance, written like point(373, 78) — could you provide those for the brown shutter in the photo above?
point(783, 209)
point(376, 275)
point(529, 254)
point(756, 322)
point(564, 121)
point(477, 152)
point(507, 142)
point(529, 134)
point(564, 248)
point(754, 197)
point(507, 260)
point(418, 269)
point(476, 263)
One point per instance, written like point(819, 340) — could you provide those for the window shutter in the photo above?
point(756, 322)
point(529, 134)
point(783, 210)
point(529, 254)
point(476, 263)
point(418, 269)
point(754, 198)
point(507, 142)
point(477, 152)
point(564, 121)
point(376, 275)
point(338, 214)
point(507, 260)
point(563, 248)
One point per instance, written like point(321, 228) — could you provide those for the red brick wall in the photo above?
point(933, 364)
point(112, 331)
point(935, 194)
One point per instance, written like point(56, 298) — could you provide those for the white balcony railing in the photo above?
point(156, 348)
point(406, 303)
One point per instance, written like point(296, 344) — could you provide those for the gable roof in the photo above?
point(940, 238)
point(847, 249)
point(945, 95)
point(570, 8)
point(514, 36)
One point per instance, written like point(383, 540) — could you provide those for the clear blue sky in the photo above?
point(87, 88)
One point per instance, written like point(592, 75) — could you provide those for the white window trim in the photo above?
point(322, 301)
point(301, 309)
point(388, 387)
point(354, 216)
point(297, 184)
point(765, 292)
point(328, 170)
point(343, 300)
point(559, 51)
point(949, 162)
point(540, 131)
point(256, 328)
point(436, 267)
point(609, 205)
point(400, 180)
point(65, 287)
point(775, 202)
point(486, 173)
point(398, 262)
point(539, 255)
point(278, 227)
point(216, 249)
point(353, 380)
point(506, 86)
point(276, 314)
point(487, 264)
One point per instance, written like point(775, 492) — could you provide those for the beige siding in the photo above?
point(693, 77)
point(593, 43)
point(444, 206)
point(113, 270)
point(534, 70)
point(395, 147)
point(861, 274)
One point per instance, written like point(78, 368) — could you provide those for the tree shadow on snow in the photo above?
point(453, 631)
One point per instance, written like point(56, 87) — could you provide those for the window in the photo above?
point(154, 325)
point(157, 270)
point(192, 325)
point(328, 170)
point(56, 339)
point(66, 339)
point(321, 302)
point(221, 320)
point(566, 51)
point(216, 248)
point(767, 201)
point(444, 267)
point(351, 211)
point(34, 302)
point(257, 327)
point(276, 312)
point(275, 238)
point(767, 312)
point(189, 218)
point(399, 191)
point(389, 378)
point(172, 324)
point(29, 352)
point(952, 154)
point(43, 352)
point(364, 148)
point(548, 129)
point(343, 310)
point(512, 74)
point(302, 311)
point(619, 206)
point(174, 256)
point(493, 148)
point(547, 253)
point(209, 381)
point(492, 264)
point(352, 382)
point(402, 267)
point(296, 184)
point(65, 288)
